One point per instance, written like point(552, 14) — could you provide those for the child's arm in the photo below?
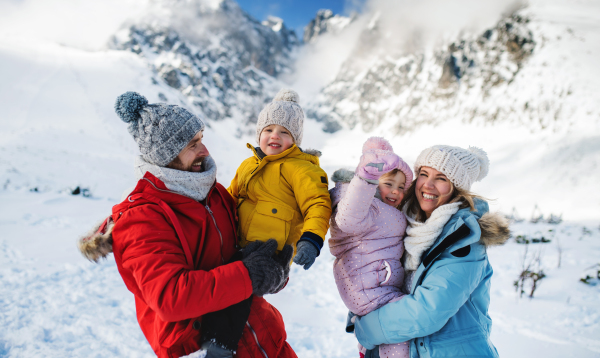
point(311, 191)
point(353, 211)
point(354, 214)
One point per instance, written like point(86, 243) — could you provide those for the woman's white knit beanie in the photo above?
point(462, 166)
point(284, 111)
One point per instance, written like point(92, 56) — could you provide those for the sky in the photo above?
point(297, 13)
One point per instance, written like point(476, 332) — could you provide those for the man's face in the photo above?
point(191, 157)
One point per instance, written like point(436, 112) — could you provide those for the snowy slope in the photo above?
point(535, 114)
point(58, 131)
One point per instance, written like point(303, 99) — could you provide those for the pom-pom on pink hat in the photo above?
point(381, 146)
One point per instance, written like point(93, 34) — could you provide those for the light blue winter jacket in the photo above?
point(446, 314)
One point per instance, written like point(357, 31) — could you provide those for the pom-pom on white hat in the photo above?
point(285, 111)
point(462, 166)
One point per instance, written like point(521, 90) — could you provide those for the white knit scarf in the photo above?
point(420, 236)
point(191, 184)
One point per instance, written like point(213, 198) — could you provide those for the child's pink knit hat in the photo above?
point(382, 146)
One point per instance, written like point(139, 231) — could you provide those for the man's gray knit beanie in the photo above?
point(284, 111)
point(161, 130)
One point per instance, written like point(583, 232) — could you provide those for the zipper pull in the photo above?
point(208, 209)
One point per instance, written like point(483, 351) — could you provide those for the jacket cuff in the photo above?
point(246, 283)
point(368, 330)
point(370, 181)
point(314, 239)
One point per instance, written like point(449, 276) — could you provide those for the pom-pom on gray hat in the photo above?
point(285, 111)
point(161, 130)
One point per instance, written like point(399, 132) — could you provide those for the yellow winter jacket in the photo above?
point(283, 197)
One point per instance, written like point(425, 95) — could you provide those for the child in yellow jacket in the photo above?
point(282, 191)
point(282, 194)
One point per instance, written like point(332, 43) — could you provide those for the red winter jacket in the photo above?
point(171, 252)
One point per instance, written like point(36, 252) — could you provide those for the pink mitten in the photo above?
point(375, 163)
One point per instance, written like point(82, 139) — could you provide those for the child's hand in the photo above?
point(374, 163)
point(306, 254)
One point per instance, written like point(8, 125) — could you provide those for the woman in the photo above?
point(445, 313)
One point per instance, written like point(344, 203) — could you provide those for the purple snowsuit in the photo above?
point(367, 241)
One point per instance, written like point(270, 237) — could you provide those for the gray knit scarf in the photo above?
point(193, 185)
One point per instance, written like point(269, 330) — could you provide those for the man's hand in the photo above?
point(306, 254)
point(265, 272)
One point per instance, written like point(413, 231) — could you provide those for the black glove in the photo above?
point(225, 327)
point(265, 273)
point(284, 258)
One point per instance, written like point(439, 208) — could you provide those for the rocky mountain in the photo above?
point(407, 88)
point(325, 22)
point(224, 61)
point(228, 65)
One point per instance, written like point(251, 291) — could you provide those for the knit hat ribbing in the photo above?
point(285, 111)
point(160, 130)
point(462, 166)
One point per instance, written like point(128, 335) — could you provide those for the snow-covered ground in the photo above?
point(58, 131)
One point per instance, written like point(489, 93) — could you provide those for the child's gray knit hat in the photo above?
point(284, 111)
point(161, 130)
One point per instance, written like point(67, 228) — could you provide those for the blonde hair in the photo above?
point(413, 208)
point(391, 173)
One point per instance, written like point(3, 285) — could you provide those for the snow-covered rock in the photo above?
point(224, 61)
point(378, 84)
point(325, 22)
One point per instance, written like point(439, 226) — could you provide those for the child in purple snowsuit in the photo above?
point(367, 232)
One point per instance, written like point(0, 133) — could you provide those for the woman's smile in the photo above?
point(433, 189)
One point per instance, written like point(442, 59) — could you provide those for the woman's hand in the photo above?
point(368, 331)
point(361, 338)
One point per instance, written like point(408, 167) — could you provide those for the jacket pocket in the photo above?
point(270, 221)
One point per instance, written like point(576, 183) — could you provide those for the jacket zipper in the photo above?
point(207, 208)
point(219, 231)
point(256, 340)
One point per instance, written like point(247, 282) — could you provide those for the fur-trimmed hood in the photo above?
point(495, 229)
point(97, 243)
point(315, 152)
point(341, 178)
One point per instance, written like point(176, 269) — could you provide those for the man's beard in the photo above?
point(177, 164)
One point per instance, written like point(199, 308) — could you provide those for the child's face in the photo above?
point(275, 139)
point(391, 188)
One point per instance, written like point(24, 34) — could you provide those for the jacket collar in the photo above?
point(461, 230)
point(464, 217)
point(293, 151)
point(464, 228)
point(150, 184)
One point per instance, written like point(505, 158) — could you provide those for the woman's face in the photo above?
point(433, 189)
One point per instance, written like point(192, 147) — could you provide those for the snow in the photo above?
point(58, 130)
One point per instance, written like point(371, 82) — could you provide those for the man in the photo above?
point(174, 242)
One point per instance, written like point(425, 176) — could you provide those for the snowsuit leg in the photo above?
point(264, 334)
point(225, 327)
